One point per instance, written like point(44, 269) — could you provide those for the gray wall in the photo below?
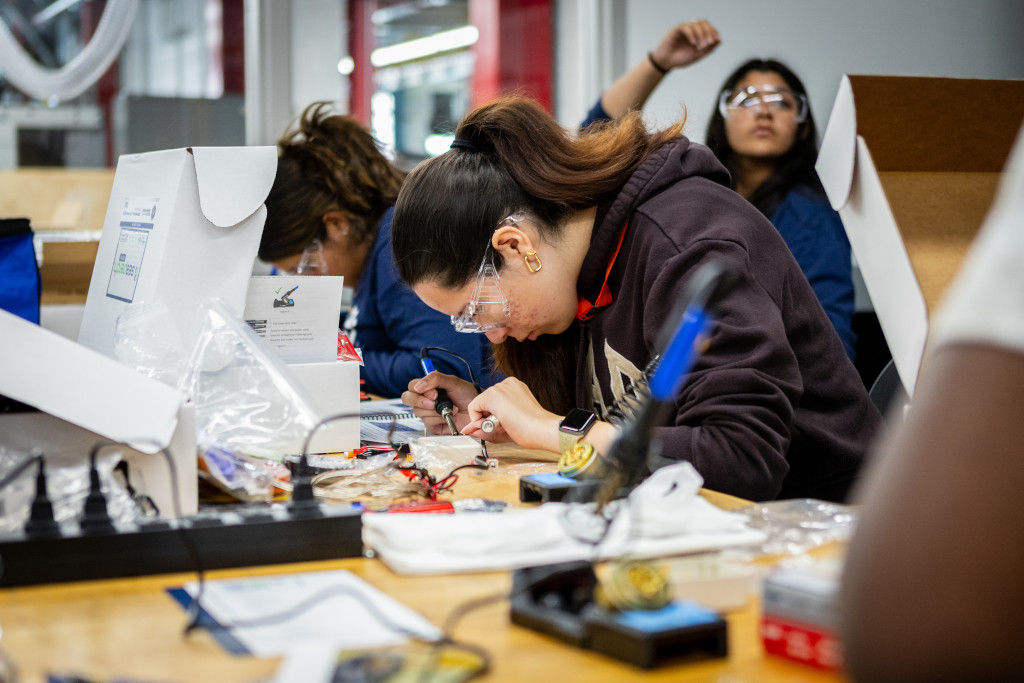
point(821, 40)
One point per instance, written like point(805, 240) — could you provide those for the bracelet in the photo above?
point(662, 70)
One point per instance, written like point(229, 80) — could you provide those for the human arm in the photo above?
point(932, 587)
point(682, 45)
point(523, 420)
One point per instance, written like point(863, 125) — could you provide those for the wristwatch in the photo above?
point(574, 427)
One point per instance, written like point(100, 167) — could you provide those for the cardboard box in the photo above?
point(66, 268)
point(331, 389)
point(85, 397)
point(66, 208)
point(911, 165)
point(57, 198)
point(182, 225)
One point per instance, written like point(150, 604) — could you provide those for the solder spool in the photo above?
point(582, 461)
point(632, 584)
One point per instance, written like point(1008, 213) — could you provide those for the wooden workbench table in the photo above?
point(131, 628)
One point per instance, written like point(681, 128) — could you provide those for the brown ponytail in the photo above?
point(327, 163)
point(512, 156)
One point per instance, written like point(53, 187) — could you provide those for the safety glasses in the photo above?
point(752, 98)
point(488, 308)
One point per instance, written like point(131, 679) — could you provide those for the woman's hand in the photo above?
point(686, 43)
point(423, 391)
point(521, 418)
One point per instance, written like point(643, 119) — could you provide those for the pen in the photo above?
point(443, 403)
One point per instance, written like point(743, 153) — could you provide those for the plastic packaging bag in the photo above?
point(796, 526)
point(67, 484)
point(147, 340)
point(246, 402)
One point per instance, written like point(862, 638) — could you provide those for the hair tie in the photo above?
point(657, 67)
point(463, 143)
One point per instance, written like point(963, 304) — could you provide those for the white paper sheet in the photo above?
point(340, 620)
point(297, 315)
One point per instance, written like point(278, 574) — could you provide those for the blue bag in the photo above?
point(20, 285)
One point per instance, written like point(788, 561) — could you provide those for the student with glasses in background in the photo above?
point(763, 131)
point(329, 213)
point(569, 252)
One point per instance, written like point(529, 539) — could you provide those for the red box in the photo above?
point(802, 643)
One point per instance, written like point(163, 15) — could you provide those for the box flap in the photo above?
point(918, 124)
point(838, 147)
point(81, 386)
point(913, 123)
point(233, 181)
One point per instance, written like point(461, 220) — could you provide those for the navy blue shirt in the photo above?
point(813, 232)
point(390, 324)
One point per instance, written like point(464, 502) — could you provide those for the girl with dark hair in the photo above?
point(333, 194)
point(763, 131)
point(568, 254)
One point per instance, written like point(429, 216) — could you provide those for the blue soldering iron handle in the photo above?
point(443, 401)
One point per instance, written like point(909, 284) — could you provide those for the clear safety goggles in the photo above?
point(775, 100)
point(488, 308)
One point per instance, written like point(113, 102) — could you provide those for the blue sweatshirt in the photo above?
point(390, 324)
point(813, 232)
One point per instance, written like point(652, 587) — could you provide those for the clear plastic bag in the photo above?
point(67, 484)
point(795, 526)
point(246, 402)
point(439, 455)
point(375, 478)
point(245, 478)
point(147, 340)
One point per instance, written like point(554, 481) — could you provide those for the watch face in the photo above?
point(577, 421)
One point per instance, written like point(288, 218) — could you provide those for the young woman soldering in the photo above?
point(334, 188)
point(568, 254)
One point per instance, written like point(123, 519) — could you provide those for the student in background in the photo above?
point(763, 131)
point(932, 589)
point(568, 254)
point(334, 192)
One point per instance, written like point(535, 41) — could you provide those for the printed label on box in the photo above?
point(138, 215)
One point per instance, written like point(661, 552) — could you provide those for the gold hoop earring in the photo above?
point(529, 266)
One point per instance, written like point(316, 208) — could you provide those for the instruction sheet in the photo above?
point(297, 315)
point(330, 607)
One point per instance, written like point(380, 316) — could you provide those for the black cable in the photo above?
point(469, 368)
point(193, 611)
point(16, 472)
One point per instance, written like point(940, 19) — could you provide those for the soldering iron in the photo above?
point(443, 403)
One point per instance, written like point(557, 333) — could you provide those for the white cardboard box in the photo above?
point(182, 225)
point(331, 388)
point(86, 397)
point(911, 165)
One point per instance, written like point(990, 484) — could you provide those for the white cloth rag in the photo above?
point(663, 516)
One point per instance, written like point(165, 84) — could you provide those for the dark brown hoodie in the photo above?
point(773, 408)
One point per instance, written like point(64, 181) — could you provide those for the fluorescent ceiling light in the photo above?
point(444, 41)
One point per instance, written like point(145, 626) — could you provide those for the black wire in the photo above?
point(194, 609)
point(469, 368)
point(18, 469)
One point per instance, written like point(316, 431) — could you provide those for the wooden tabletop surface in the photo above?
point(130, 628)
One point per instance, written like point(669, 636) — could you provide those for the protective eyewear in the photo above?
point(775, 100)
point(488, 309)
